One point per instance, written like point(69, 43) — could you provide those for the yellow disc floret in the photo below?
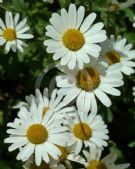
point(82, 131)
point(42, 166)
point(9, 34)
point(88, 79)
point(73, 39)
point(95, 164)
point(37, 134)
point(112, 57)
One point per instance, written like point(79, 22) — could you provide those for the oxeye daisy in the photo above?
point(94, 160)
point(93, 80)
point(12, 32)
point(88, 130)
point(73, 38)
point(36, 135)
point(67, 155)
point(117, 51)
point(30, 164)
point(53, 103)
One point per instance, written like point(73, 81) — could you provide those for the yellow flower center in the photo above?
point(42, 166)
point(112, 57)
point(37, 134)
point(82, 131)
point(88, 79)
point(64, 153)
point(45, 109)
point(9, 34)
point(73, 39)
point(95, 164)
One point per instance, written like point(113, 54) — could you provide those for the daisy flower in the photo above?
point(117, 51)
point(12, 32)
point(1, 1)
point(36, 135)
point(53, 103)
point(87, 129)
point(93, 80)
point(73, 39)
point(49, 1)
point(134, 22)
point(51, 165)
point(67, 154)
point(94, 160)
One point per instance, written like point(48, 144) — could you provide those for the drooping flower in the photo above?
point(93, 80)
point(117, 51)
point(94, 160)
point(73, 39)
point(13, 32)
point(87, 130)
point(36, 135)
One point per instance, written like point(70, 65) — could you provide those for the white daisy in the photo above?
point(51, 165)
point(134, 22)
point(116, 51)
point(94, 160)
point(134, 93)
point(49, 1)
point(87, 129)
point(36, 135)
point(53, 103)
point(12, 32)
point(73, 38)
point(94, 80)
point(67, 155)
point(1, 1)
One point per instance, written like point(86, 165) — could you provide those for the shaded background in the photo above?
point(18, 73)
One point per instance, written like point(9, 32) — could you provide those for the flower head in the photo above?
point(73, 38)
point(94, 160)
point(12, 32)
point(36, 135)
point(87, 130)
point(93, 80)
point(117, 51)
point(50, 103)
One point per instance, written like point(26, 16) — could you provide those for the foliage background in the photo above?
point(19, 71)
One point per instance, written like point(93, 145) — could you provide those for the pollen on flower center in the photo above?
point(73, 39)
point(82, 131)
point(9, 34)
point(88, 78)
point(37, 134)
point(64, 153)
point(42, 166)
point(95, 164)
point(112, 57)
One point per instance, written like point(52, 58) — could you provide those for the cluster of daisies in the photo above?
point(56, 127)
